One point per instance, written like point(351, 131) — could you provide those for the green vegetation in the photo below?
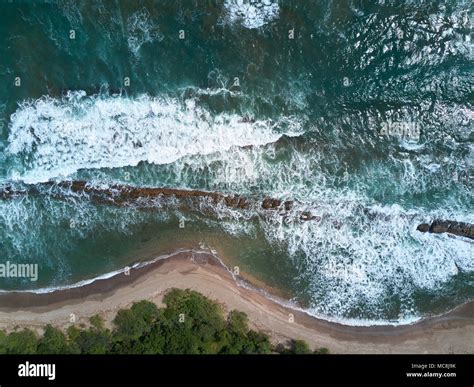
point(189, 324)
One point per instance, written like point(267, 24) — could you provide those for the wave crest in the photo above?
point(56, 137)
point(251, 14)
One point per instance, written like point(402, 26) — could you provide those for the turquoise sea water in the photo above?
point(361, 111)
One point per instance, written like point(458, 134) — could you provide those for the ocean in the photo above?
point(361, 112)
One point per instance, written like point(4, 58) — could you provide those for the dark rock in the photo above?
point(124, 195)
point(271, 204)
point(307, 216)
point(424, 227)
point(439, 226)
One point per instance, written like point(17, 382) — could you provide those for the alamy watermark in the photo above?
point(28, 369)
point(404, 130)
point(19, 270)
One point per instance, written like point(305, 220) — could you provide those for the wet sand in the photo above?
point(452, 332)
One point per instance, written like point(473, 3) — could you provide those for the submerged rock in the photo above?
point(439, 226)
point(269, 203)
point(308, 216)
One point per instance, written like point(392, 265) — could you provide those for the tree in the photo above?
point(189, 324)
point(135, 322)
point(22, 342)
point(97, 322)
point(257, 343)
point(237, 322)
point(92, 341)
point(53, 341)
point(192, 323)
point(299, 347)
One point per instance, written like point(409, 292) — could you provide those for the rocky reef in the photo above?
point(439, 226)
point(125, 195)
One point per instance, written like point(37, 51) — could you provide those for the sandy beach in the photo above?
point(452, 332)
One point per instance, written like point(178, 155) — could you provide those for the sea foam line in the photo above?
point(238, 281)
point(50, 138)
point(100, 277)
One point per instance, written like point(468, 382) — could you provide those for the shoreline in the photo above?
point(206, 273)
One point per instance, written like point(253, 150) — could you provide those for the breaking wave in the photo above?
point(57, 137)
point(251, 14)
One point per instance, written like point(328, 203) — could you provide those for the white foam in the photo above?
point(251, 13)
point(366, 260)
point(57, 137)
point(141, 30)
point(312, 312)
point(360, 254)
point(361, 264)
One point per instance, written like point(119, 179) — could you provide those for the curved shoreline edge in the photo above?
point(205, 272)
point(108, 282)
